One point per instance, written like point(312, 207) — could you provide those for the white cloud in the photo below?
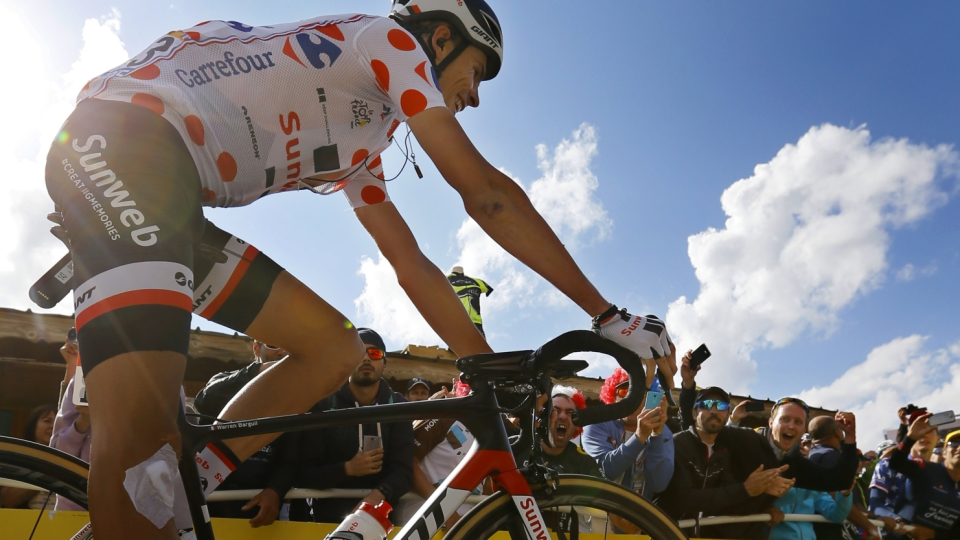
point(907, 273)
point(383, 306)
point(910, 272)
point(26, 248)
point(894, 374)
point(805, 236)
point(565, 196)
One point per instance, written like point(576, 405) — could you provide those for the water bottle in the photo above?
point(367, 523)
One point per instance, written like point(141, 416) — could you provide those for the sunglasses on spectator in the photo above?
point(954, 443)
point(708, 404)
point(375, 353)
point(795, 401)
point(622, 391)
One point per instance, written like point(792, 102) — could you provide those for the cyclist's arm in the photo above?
point(423, 282)
point(501, 208)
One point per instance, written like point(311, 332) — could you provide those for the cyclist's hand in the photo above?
point(647, 421)
point(364, 463)
point(646, 336)
point(269, 502)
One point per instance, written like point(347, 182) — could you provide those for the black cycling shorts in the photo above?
point(144, 256)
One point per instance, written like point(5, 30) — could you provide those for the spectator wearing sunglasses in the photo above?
point(636, 451)
point(703, 481)
point(774, 447)
point(255, 472)
point(936, 486)
point(375, 456)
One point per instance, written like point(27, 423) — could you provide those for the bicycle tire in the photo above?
point(496, 512)
point(45, 468)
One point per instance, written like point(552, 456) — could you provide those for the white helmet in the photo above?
point(472, 18)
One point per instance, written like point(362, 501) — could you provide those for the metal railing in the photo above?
point(247, 494)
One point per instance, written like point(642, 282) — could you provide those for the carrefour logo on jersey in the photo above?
point(228, 67)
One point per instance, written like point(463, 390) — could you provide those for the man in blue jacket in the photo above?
point(636, 451)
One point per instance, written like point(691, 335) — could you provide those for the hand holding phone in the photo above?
point(753, 406)
point(699, 356)
point(941, 418)
point(372, 442)
point(653, 399)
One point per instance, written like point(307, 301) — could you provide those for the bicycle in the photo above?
point(523, 492)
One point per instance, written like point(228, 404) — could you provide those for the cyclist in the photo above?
point(220, 115)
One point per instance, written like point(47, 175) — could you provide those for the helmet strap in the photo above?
point(450, 57)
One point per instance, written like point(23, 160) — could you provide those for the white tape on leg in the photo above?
point(150, 485)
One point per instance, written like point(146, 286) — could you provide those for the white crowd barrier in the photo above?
point(754, 518)
point(247, 494)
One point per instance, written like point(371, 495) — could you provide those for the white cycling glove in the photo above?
point(646, 336)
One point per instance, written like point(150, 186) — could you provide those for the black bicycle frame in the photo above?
point(479, 412)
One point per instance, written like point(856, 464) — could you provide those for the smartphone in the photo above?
point(941, 418)
point(754, 406)
point(653, 399)
point(699, 356)
point(371, 442)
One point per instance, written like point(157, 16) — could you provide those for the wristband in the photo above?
point(607, 315)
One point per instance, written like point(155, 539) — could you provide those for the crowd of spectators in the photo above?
point(707, 459)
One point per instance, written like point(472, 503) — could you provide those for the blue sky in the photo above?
point(675, 103)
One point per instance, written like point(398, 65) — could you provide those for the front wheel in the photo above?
point(579, 504)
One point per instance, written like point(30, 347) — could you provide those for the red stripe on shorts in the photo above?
point(242, 266)
point(161, 297)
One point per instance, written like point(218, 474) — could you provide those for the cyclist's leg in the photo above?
point(129, 194)
point(247, 291)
